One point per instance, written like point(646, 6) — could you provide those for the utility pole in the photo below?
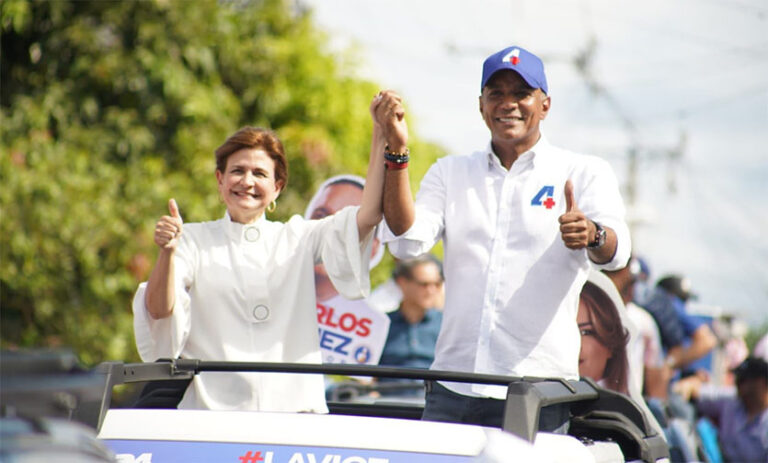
point(635, 152)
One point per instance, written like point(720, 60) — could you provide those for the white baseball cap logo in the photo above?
point(513, 56)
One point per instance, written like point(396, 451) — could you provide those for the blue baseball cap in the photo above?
point(517, 59)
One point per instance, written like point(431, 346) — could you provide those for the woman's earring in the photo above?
point(272, 206)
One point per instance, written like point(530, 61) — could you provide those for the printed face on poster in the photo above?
point(351, 331)
point(608, 337)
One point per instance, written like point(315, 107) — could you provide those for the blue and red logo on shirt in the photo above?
point(544, 197)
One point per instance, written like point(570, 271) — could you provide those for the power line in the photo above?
point(745, 7)
point(706, 39)
point(714, 104)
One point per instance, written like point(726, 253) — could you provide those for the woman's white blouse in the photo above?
point(247, 293)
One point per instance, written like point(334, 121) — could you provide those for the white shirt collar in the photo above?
point(242, 231)
point(536, 154)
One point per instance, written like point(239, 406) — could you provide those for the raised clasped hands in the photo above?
point(389, 114)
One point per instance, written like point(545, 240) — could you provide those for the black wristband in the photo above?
point(394, 153)
point(599, 238)
point(397, 159)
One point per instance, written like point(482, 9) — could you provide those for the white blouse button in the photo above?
point(261, 313)
point(252, 234)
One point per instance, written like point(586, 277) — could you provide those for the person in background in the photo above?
point(741, 418)
point(761, 348)
point(522, 223)
point(603, 354)
point(242, 287)
point(387, 296)
point(732, 332)
point(414, 326)
point(684, 337)
point(646, 353)
point(643, 286)
point(651, 375)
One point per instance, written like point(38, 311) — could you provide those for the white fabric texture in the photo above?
point(648, 351)
point(247, 293)
point(355, 179)
point(386, 297)
point(512, 287)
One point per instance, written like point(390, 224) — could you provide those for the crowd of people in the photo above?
point(697, 376)
point(537, 279)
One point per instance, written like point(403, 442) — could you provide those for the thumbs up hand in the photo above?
point(576, 230)
point(570, 200)
point(168, 229)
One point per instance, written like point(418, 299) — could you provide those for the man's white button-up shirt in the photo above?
point(512, 287)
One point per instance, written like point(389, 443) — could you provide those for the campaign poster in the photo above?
point(351, 331)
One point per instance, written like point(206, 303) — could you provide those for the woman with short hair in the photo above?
point(241, 288)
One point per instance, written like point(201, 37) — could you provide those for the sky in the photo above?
point(683, 84)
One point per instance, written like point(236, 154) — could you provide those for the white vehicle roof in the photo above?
point(153, 435)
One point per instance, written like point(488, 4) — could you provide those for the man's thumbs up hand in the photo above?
point(570, 201)
point(168, 229)
point(576, 230)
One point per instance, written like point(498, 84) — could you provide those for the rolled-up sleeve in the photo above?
point(165, 337)
point(600, 200)
point(429, 218)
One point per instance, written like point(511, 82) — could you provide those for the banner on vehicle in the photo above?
point(150, 451)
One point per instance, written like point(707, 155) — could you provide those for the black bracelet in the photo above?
point(394, 153)
point(397, 159)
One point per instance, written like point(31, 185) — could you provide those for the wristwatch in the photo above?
point(599, 239)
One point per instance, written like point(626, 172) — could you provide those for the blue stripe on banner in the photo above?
point(151, 451)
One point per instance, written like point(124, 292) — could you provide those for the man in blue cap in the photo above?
point(522, 222)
